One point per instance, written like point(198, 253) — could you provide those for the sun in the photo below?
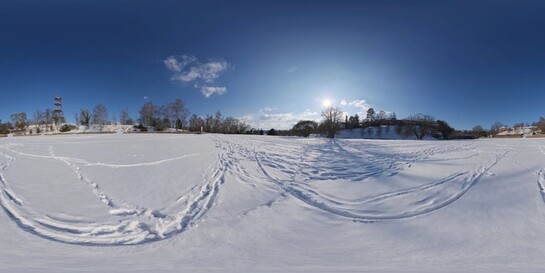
point(326, 103)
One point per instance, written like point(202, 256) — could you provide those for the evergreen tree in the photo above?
point(444, 129)
point(304, 128)
point(370, 114)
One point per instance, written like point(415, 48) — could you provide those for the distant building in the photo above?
point(518, 131)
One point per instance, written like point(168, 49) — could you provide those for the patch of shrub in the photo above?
point(272, 132)
point(67, 128)
point(4, 129)
point(140, 128)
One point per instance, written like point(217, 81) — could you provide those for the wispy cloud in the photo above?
point(267, 109)
point(280, 121)
point(189, 69)
point(178, 63)
point(207, 72)
point(145, 97)
point(208, 91)
point(292, 69)
point(361, 104)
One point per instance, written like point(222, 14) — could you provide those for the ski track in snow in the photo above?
point(287, 167)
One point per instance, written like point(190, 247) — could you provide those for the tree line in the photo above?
point(175, 115)
point(172, 115)
point(417, 125)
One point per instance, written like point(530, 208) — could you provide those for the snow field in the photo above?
point(259, 203)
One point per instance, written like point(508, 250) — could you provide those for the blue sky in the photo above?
point(274, 62)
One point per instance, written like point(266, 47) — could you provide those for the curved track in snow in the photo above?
point(541, 177)
point(136, 225)
point(360, 180)
point(296, 171)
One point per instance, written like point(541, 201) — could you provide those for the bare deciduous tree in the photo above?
point(478, 131)
point(518, 126)
point(217, 122)
point(419, 125)
point(163, 117)
point(147, 114)
point(37, 117)
point(48, 117)
point(100, 116)
point(332, 118)
point(124, 118)
point(195, 123)
point(179, 113)
point(19, 120)
point(495, 128)
point(381, 115)
point(208, 123)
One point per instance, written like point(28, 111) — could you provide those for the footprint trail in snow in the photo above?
point(360, 180)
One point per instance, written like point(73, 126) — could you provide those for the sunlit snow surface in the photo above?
point(128, 202)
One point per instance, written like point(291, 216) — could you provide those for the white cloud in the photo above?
point(177, 63)
point(247, 117)
point(145, 97)
point(359, 107)
point(267, 109)
point(292, 69)
point(188, 69)
point(361, 104)
point(207, 72)
point(280, 121)
point(208, 91)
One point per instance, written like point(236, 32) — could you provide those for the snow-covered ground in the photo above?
point(207, 203)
